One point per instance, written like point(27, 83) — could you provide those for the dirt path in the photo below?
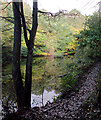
point(67, 109)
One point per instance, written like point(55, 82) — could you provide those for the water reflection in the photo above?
point(45, 83)
point(41, 100)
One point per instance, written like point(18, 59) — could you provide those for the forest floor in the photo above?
point(80, 105)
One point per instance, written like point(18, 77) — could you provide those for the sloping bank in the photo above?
point(69, 108)
point(65, 109)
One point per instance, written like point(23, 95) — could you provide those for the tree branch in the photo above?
point(11, 21)
point(6, 6)
point(49, 13)
point(34, 23)
point(7, 18)
point(61, 12)
point(24, 25)
point(45, 12)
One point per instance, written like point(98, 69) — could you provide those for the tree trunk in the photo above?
point(28, 77)
point(16, 72)
point(23, 93)
point(28, 80)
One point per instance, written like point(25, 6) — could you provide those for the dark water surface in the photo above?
point(46, 85)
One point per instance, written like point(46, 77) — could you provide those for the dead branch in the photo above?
point(51, 108)
point(63, 75)
point(61, 12)
point(45, 12)
point(49, 13)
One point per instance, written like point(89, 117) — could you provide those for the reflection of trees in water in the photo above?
point(44, 77)
point(45, 72)
point(8, 93)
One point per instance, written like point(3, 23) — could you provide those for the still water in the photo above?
point(46, 85)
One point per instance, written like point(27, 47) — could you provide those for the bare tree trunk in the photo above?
point(16, 72)
point(23, 93)
point(28, 80)
point(28, 77)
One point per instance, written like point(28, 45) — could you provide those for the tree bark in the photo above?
point(28, 80)
point(23, 93)
point(16, 72)
point(28, 77)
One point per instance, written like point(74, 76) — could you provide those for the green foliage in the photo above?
point(8, 31)
point(69, 81)
point(23, 51)
point(67, 85)
point(58, 32)
point(6, 55)
point(89, 40)
point(88, 50)
point(74, 11)
point(7, 27)
point(54, 34)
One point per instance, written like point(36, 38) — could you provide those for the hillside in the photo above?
point(50, 39)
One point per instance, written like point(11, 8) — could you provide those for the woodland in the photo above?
point(57, 53)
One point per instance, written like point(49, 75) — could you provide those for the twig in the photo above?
point(6, 6)
point(51, 108)
point(7, 18)
point(63, 75)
